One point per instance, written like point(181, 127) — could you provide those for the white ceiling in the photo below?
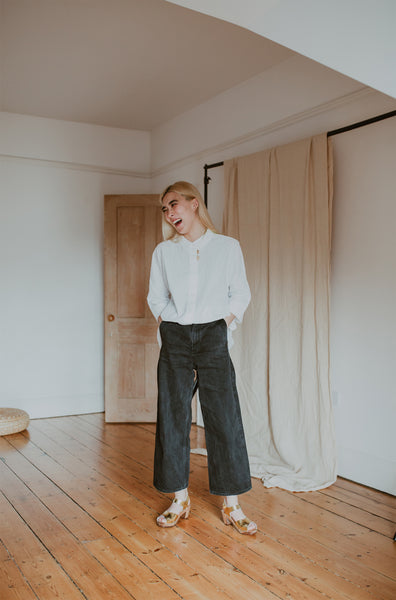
point(354, 37)
point(121, 63)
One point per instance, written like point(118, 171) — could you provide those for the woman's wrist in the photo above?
point(229, 319)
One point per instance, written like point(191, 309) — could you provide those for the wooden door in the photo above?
point(131, 232)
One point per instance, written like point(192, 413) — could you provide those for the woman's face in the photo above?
point(182, 214)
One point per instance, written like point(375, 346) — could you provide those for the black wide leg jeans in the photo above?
point(203, 348)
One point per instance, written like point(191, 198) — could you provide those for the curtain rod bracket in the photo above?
point(207, 179)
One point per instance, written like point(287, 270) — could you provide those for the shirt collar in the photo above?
point(200, 242)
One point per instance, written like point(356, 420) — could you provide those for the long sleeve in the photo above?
point(158, 296)
point(239, 290)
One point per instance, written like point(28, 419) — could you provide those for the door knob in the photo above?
point(110, 317)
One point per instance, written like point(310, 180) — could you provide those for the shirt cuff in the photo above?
point(238, 310)
point(158, 309)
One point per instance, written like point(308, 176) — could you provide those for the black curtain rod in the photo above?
point(387, 115)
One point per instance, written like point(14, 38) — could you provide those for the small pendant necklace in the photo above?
point(197, 254)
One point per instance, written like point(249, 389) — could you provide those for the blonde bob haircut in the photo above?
point(189, 192)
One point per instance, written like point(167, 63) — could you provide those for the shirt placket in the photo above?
point(193, 284)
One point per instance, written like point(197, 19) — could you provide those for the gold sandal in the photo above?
point(233, 515)
point(181, 508)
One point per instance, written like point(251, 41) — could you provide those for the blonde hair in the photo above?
point(189, 192)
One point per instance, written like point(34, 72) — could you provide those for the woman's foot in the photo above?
point(234, 515)
point(178, 509)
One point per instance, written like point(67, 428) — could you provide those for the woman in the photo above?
point(198, 291)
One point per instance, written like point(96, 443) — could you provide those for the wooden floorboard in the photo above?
point(77, 520)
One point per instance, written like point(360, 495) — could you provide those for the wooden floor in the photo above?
point(78, 521)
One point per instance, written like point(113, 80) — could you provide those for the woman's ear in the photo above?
point(195, 203)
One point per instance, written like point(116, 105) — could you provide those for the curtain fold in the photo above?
point(278, 204)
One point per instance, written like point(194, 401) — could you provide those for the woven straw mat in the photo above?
point(13, 420)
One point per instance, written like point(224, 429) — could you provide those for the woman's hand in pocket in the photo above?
point(229, 319)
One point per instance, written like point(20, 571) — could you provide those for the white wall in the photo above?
point(363, 274)
point(363, 301)
point(101, 148)
point(354, 37)
point(51, 249)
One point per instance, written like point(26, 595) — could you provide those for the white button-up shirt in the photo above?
point(198, 282)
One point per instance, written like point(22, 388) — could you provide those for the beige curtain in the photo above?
point(278, 204)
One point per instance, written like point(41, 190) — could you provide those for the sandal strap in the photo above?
point(178, 506)
point(237, 514)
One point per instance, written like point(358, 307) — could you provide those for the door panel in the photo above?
point(130, 261)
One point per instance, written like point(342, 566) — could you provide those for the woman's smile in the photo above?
point(182, 214)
